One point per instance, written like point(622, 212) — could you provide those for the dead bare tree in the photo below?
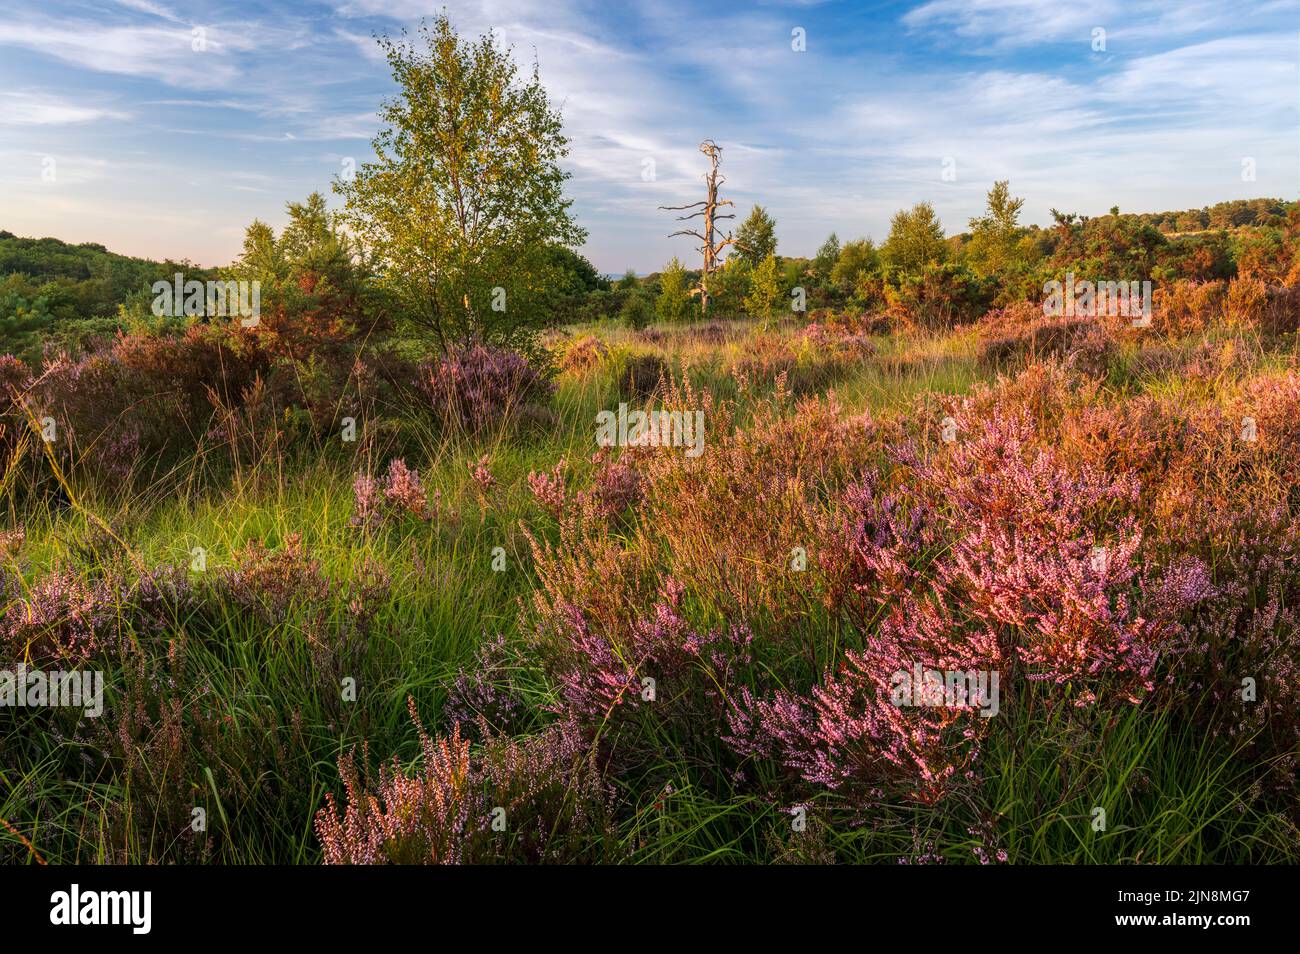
point(708, 210)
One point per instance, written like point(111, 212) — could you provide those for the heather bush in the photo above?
point(851, 735)
point(483, 483)
point(143, 399)
point(755, 491)
point(1142, 437)
point(271, 583)
point(851, 345)
point(799, 366)
point(476, 387)
point(880, 543)
point(1049, 551)
point(616, 486)
point(658, 665)
point(1282, 310)
point(14, 378)
point(169, 741)
point(1007, 338)
point(641, 375)
point(1271, 402)
point(549, 489)
point(63, 620)
point(487, 692)
point(998, 557)
point(1246, 301)
point(543, 794)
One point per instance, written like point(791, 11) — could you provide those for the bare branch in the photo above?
point(707, 209)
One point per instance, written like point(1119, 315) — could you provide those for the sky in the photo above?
point(162, 128)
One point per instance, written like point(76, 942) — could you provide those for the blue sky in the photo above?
point(159, 149)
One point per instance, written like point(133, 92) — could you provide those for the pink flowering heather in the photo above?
point(403, 490)
point(366, 501)
point(15, 377)
point(594, 678)
point(63, 620)
point(880, 547)
point(600, 672)
point(1184, 584)
point(422, 820)
point(1038, 554)
point(485, 692)
point(549, 489)
point(553, 803)
point(850, 734)
point(615, 488)
point(477, 388)
point(399, 493)
point(483, 482)
point(480, 472)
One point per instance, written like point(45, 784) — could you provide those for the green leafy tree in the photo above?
point(311, 232)
point(638, 309)
point(915, 240)
point(466, 192)
point(674, 301)
point(857, 262)
point(824, 261)
point(262, 257)
point(756, 237)
point(577, 274)
point(765, 289)
point(729, 287)
point(994, 236)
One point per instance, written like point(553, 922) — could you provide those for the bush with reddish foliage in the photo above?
point(1181, 307)
point(141, 400)
point(270, 583)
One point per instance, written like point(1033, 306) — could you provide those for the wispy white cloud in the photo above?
point(35, 108)
point(151, 8)
point(162, 53)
